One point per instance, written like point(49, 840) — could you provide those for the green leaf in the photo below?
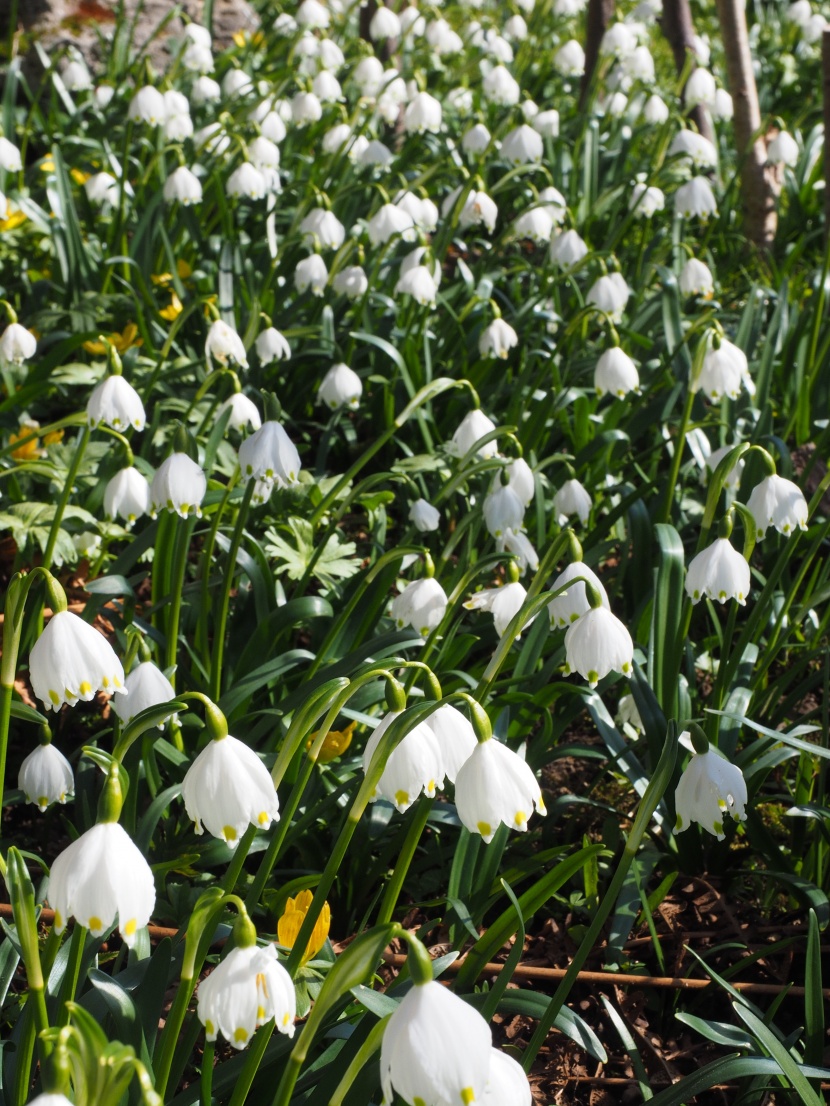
point(336, 560)
point(770, 1043)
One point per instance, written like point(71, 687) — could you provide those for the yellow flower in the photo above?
point(29, 450)
point(79, 176)
point(128, 337)
point(52, 437)
point(13, 222)
point(239, 38)
point(182, 268)
point(335, 744)
point(47, 165)
point(288, 927)
point(174, 310)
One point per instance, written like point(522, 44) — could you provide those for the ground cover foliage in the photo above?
point(325, 358)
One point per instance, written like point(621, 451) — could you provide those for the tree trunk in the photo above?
point(680, 33)
point(600, 14)
point(757, 181)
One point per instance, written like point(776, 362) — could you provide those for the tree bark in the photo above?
point(600, 14)
point(757, 181)
point(680, 34)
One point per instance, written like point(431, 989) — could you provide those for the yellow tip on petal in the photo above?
point(484, 828)
point(129, 929)
point(95, 926)
point(468, 1095)
point(240, 1035)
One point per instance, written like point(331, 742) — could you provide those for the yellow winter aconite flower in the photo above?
point(13, 221)
point(173, 310)
point(30, 448)
point(288, 927)
point(335, 744)
point(79, 176)
point(182, 268)
point(47, 165)
point(128, 337)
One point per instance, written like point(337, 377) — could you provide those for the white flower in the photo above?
point(270, 455)
point(567, 249)
point(243, 412)
point(146, 686)
point(423, 516)
point(147, 106)
point(98, 876)
point(572, 499)
point(815, 28)
point(478, 208)
point(183, 186)
point(46, 777)
point(102, 95)
point(422, 114)
point(638, 65)
point(9, 156)
point(212, 139)
point(455, 736)
point(421, 605)
point(476, 139)
point(423, 212)
point(694, 146)
point(696, 279)
point(50, 1099)
point(71, 660)
point(412, 22)
point(508, 1084)
point(646, 200)
point(536, 224)
point(500, 87)
point(614, 106)
point(263, 153)
point(655, 110)
point(516, 28)
point(76, 77)
point(609, 294)
point(628, 714)
point(351, 281)
point(417, 282)
point(800, 13)
point(306, 108)
point(244, 991)
point(223, 344)
point(313, 14)
point(368, 76)
point(273, 127)
point(103, 188)
point(616, 373)
point(177, 122)
point(503, 603)
point(523, 145)
point(783, 150)
point(311, 273)
point(547, 125)
point(435, 1050)
point(127, 496)
point(87, 543)
point(340, 387)
point(733, 478)
point(518, 543)
point(497, 339)
point(598, 643)
point(388, 221)
point(723, 107)
point(372, 153)
point(272, 345)
point(179, 485)
point(569, 59)
point(520, 479)
point(325, 227)
point(413, 766)
point(247, 181)
point(205, 91)
point(718, 572)
point(17, 344)
point(700, 88)
point(227, 788)
point(619, 39)
point(503, 510)
point(695, 199)
point(495, 786)
point(236, 83)
point(326, 88)
point(116, 403)
point(723, 372)
point(780, 503)
point(710, 787)
point(472, 427)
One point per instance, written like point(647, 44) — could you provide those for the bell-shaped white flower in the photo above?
point(619, 39)
point(311, 273)
point(546, 123)
point(247, 181)
point(368, 75)
point(780, 503)
point(569, 59)
point(573, 603)
point(227, 788)
point(609, 294)
point(536, 224)
point(436, 1049)
point(518, 543)
point(616, 373)
point(423, 516)
point(500, 87)
point(373, 153)
point(456, 738)
point(100, 875)
point(503, 603)
point(127, 496)
point(46, 777)
point(243, 412)
point(478, 210)
point(272, 345)
point(572, 499)
point(324, 228)
point(521, 480)
point(205, 91)
point(555, 205)
point(723, 372)
point(183, 186)
point(313, 14)
point(718, 572)
point(384, 24)
point(179, 485)
point(145, 686)
point(696, 279)
point(413, 766)
point(655, 110)
point(646, 200)
point(700, 88)
point(628, 714)
point(223, 344)
point(306, 108)
point(116, 403)
point(695, 199)
point(245, 990)
point(270, 455)
point(723, 107)
point(326, 88)
point(697, 149)
point(497, 339)
point(236, 83)
point(472, 427)
point(147, 106)
point(423, 113)
point(475, 140)
point(50, 1099)
point(75, 76)
point(710, 787)
point(418, 282)
point(567, 249)
point(177, 122)
point(388, 221)
point(494, 787)
point(598, 643)
point(783, 150)
point(508, 1085)
point(87, 543)
point(733, 478)
point(503, 510)
point(351, 281)
point(421, 605)
point(523, 146)
point(340, 387)
point(17, 344)
point(71, 660)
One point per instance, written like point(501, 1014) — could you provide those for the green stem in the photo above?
point(202, 640)
point(361, 1058)
point(239, 856)
point(172, 1032)
point(654, 793)
point(677, 459)
point(69, 985)
point(206, 1084)
point(6, 694)
point(224, 601)
point(54, 530)
point(252, 1061)
point(413, 836)
point(176, 588)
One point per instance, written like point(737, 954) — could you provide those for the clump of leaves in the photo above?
point(296, 555)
